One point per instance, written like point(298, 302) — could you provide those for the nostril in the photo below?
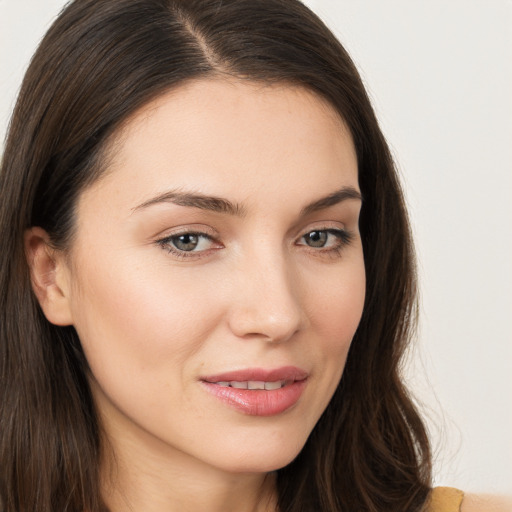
point(268, 326)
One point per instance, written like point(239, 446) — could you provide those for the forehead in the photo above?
point(231, 138)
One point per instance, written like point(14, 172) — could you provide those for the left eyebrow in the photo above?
point(339, 196)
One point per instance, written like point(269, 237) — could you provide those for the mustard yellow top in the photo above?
point(445, 499)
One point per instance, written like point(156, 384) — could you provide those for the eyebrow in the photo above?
point(337, 197)
point(195, 200)
point(221, 205)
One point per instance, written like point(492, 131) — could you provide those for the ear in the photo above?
point(49, 275)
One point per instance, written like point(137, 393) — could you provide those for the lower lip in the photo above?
point(259, 402)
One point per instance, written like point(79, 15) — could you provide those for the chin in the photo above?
point(260, 458)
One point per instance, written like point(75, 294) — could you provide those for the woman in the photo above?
point(209, 280)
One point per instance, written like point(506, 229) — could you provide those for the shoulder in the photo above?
point(486, 503)
point(445, 499)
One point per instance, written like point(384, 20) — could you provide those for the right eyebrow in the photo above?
point(195, 200)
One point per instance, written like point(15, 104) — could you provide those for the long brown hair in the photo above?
point(99, 62)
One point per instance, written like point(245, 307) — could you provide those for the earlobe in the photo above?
point(49, 276)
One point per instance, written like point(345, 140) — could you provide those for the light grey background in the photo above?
point(440, 76)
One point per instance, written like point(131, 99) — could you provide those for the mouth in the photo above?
point(258, 392)
point(256, 376)
point(253, 384)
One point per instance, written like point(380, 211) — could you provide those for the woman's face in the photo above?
point(220, 252)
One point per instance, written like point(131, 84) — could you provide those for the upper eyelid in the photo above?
point(192, 233)
point(345, 234)
point(165, 240)
point(322, 225)
point(187, 230)
point(327, 229)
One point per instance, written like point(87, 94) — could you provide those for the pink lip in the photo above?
point(261, 374)
point(259, 402)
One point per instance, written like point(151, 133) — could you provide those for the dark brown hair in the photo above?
point(99, 62)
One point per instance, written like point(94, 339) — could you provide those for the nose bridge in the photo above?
point(268, 302)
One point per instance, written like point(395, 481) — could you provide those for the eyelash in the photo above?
point(167, 244)
point(344, 238)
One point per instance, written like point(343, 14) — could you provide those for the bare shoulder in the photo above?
point(486, 503)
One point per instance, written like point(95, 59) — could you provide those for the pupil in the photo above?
point(317, 238)
point(186, 242)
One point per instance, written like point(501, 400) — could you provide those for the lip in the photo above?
point(291, 373)
point(259, 402)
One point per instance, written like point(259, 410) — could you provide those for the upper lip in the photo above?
point(285, 373)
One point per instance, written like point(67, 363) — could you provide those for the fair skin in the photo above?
point(486, 503)
point(170, 292)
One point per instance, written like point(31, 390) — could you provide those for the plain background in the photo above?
point(439, 73)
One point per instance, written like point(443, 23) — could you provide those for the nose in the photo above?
point(267, 300)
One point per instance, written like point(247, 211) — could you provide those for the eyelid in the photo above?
point(164, 241)
point(340, 232)
point(344, 238)
point(320, 225)
point(196, 229)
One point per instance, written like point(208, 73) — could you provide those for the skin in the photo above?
point(487, 503)
point(253, 293)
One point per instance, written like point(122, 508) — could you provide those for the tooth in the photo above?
point(273, 385)
point(255, 384)
point(238, 385)
point(223, 384)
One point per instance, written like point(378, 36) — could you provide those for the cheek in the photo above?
point(141, 318)
point(141, 329)
point(335, 307)
point(334, 310)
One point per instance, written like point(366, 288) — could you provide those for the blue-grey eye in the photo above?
point(186, 242)
point(316, 238)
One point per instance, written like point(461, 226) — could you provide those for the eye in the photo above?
point(189, 242)
point(325, 239)
point(316, 238)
